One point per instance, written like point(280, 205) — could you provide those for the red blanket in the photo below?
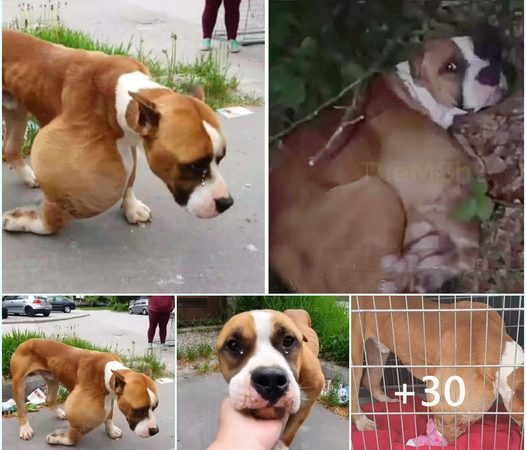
point(494, 435)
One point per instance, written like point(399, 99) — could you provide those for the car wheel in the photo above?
point(144, 311)
point(46, 313)
point(130, 311)
point(4, 313)
point(67, 309)
point(29, 311)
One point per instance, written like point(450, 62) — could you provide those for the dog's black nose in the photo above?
point(223, 203)
point(270, 382)
point(153, 431)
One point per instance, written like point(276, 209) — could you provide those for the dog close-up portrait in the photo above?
point(408, 178)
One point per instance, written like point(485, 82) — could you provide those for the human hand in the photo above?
point(239, 431)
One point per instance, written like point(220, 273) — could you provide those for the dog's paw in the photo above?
point(26, 174)
point(363, 423)
point(114, 432)
point(26, 432)
point(60, 414)
point(58, 437)
point(136, 211)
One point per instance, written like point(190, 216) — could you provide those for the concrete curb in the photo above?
point(334, 371)
point(42, 320)
point(32, 382)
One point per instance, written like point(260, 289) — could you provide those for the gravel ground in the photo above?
point(187, 339)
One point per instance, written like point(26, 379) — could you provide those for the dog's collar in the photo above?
point(440, 114)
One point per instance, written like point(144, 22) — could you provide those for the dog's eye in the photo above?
point(288, 341)
point(199, 168)
point(233, 346)
point(451, 67)
point(140, 412)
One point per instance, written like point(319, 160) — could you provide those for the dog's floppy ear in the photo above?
point(146, 120)
point(148, 372)
point(118, 382)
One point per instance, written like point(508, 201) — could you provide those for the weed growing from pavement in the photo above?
point(329, 315)
point(195, 352)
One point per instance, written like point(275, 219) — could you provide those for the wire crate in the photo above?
point(437, 372)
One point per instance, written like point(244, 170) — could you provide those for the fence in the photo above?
point(466, 349)
point(251, 23)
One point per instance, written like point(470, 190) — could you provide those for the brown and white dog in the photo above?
point(95, 381)
point(367, 205)
point(437, 339)
point(94, 111)
point(270, 361)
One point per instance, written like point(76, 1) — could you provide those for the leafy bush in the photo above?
point(329, 318)
point(10, 343)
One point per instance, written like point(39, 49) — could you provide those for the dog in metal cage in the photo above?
point(438, 339)
point(365, 203)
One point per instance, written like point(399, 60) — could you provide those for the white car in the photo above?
point(30, 305)
point(139, 307)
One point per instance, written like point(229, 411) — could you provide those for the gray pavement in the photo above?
point(44, 422)
point(120, 331)
point(175, 253)
point(148, 24)
point(199, 399)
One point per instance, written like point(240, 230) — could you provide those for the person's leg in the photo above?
point(163, 322)
point(209, 17)
point(153, 318)
point(232, 18)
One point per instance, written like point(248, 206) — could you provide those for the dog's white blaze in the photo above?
point(440, 114)
point(477, 95)
point(215, 138)
point(280, 446)
point(513, 355)
point(143, 427)
point(202, 200)
point(264, 355)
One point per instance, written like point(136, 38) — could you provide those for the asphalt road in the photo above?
point(198, 403)
point(175, 253)
point(44, 422)
point(120, 331)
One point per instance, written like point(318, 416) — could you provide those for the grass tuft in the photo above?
point(201, 350)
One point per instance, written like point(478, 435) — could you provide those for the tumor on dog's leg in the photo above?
point(59, 437)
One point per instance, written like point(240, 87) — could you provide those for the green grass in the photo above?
point(11, 341)
point(195, 352)
point(329, 319)
point(140, 363)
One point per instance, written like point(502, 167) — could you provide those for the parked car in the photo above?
point(29, 305)
point(139, 307)
point(59, 303)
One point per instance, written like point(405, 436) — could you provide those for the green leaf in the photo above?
point(467, 210)
point(485, 207)
point(478, 187)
